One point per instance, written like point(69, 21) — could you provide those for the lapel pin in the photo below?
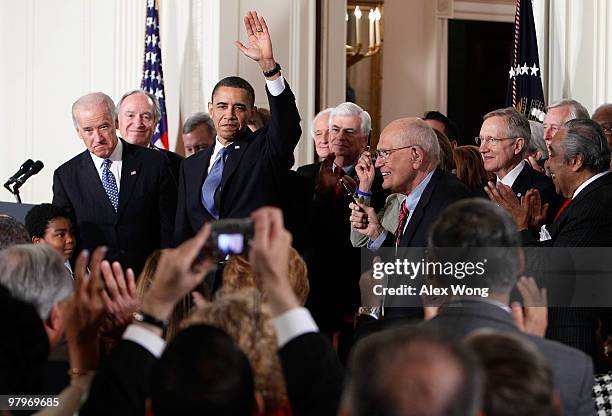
point(519, 195)
point(133, 173)
point(236, 147)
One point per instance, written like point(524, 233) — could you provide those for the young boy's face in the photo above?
point(59, 236)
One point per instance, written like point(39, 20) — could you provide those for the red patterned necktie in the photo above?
point(565, 204)
point(403, 217)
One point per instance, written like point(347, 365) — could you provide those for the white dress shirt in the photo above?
point(511, 176)
point(115, 167)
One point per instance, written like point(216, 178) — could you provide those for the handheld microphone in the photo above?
point(36, 167)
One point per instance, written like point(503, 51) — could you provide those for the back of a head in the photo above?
point(12, 232)
point(517, 378)
point(474, 229)
point(36, 274)
point(24, 346)
point(447, 162)
point(585, 137)
point(412, 371)
point(247, 320)
point(537, 139)
point(202, 372)
point(238, 274)
point(469, 167)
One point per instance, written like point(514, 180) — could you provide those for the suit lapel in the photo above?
point(205, 157)
point(130, 171)
point(523, 181)
point(419, 210)
point(92, 183)
point(235, 150)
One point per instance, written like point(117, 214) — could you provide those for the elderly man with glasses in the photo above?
point(407, 157)
point(504, 138)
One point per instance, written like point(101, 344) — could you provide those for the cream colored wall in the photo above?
point(407, 72)
point(57, 50)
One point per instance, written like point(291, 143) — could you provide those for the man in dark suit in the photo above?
point(138, 115)
point(407, 156)
point(334, 292)
point(504, 138)
point(122, 195)
point(480, 225)
point(243, 170)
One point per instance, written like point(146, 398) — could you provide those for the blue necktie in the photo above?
point(110, 184)
point(211, 183)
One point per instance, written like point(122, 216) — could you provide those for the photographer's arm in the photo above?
point(313, 373)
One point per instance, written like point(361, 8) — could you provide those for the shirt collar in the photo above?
point(588, 181)
point(348, 169)
point(412, 199)
point(511, 176)
point(115, 156)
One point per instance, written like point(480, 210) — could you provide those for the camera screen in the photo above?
point(230, 243)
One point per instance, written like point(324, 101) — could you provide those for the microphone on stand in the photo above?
point(22, 169)
point(36, 167)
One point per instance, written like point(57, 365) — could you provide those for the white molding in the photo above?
point(600, 47)
point(491, 12)
point(441, 65)
point(464, 10)
point(333, 54)
point(302, 57)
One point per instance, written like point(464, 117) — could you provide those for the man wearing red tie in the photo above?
point(408, 155)
point(579, 165)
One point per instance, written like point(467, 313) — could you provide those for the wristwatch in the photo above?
point(144, 317)
point(273, 71)
point(372, 311)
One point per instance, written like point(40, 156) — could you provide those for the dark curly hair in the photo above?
point(38, 218)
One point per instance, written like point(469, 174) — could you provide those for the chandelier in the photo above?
point(358, 50)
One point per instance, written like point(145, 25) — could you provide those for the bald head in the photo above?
point(414, 131)
point(412, 371)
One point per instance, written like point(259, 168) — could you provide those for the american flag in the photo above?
point(525, 77)
point(152, 74)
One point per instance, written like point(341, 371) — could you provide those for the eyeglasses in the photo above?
point(491, 141)
point(384, 153)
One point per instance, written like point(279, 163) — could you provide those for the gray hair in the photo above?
point(475, 229)
point(537, 142)
point(198, 119)
point(152, 97)
point(351, 109)
point(585, 137)
point(92, 99)
point(35, 273)
point(316, 118)
point(12, 232)
point(577, 110)
point(517, 125)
